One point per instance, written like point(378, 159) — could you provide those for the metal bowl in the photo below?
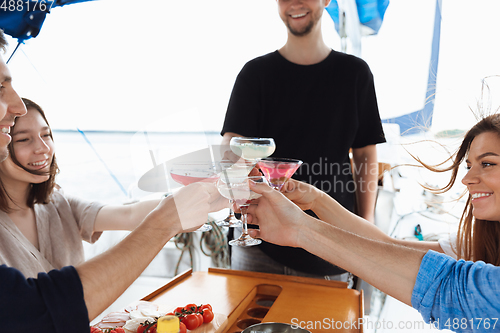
point(274, 328)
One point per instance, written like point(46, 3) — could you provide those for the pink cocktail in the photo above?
point(187, 179)
point(187, 173)
point(193, 172)
point(278, 170)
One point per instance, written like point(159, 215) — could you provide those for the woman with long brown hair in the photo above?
point(41, 227)
point(478, 236)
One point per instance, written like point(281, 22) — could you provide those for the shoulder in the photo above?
point(262, 61)
point(349, 61)
point(58, 197)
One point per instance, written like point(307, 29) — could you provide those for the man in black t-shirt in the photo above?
point(317, 104)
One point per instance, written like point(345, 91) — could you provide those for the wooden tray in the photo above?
point(247, 298)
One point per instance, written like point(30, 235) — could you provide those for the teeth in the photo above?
point(38, 163)
point(6, 130)
point(298, 15)
point(479, 195)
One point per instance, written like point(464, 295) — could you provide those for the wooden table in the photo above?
point(247, 298)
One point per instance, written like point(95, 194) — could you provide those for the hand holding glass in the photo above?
point(239, 191)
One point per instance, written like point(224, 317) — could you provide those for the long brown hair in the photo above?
point(39, 193)
point(476, 239)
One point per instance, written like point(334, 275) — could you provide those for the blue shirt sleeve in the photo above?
point(462, 296)
point(51, 303)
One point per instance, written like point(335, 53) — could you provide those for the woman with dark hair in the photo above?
point(478, 234)
point(41, 227)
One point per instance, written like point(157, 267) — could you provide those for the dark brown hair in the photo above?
point(39, 193)
point(3, 41)
point(476, 239)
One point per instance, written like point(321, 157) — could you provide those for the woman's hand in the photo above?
point(302, 194)
point(280, 221)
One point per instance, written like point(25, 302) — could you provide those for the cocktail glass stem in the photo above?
point(245, 239)
point(230, 221)
point(244, 210)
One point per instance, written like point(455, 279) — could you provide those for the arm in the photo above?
point(108, 275)
point(123, 217)
point(330, 211)
point(366, 176)
point(390, 267)
point(458, 295)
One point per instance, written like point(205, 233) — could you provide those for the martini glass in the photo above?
point(278, 170)
point(233, 172)
point(240, 193)
point(252, 149)
point(186, 173)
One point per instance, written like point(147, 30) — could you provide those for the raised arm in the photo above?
point(108, 275)
point(390, 267)
point(123, 217)
point(330, 211)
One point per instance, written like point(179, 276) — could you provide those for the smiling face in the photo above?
point(33, 148)
point(11, 106)
point(483, 177)
point(301, 16)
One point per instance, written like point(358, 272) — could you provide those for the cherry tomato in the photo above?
point(179, 309)
point(200, 318)
point(208, 315)
point(95, 330)
point(191, 307)
point(152, 329)
point(191, 322)
point(119, 330)
point(206, 306)
point(142, 329)
point(182, 328)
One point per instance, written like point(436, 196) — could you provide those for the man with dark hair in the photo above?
point(67, 299)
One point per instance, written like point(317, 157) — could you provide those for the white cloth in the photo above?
point(449, 245)
point(61, 225)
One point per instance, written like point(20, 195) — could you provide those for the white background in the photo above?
point(123, 65)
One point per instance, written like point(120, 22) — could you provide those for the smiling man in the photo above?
point(11, 105)
point(317, 104)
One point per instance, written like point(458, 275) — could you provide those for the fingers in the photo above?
point(251, 215)
point(255, 233)
point(289, 186)
point(255, 172)
point(261, 188)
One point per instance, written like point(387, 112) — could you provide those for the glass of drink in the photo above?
point(239, 192)
point(233, 172)
point(190, 172)
point(252, 149)
point(278, 170)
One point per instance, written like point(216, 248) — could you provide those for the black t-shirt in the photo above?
point(51, 303)
point(315, 113)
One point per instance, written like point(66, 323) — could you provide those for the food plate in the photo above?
point(132, 316)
